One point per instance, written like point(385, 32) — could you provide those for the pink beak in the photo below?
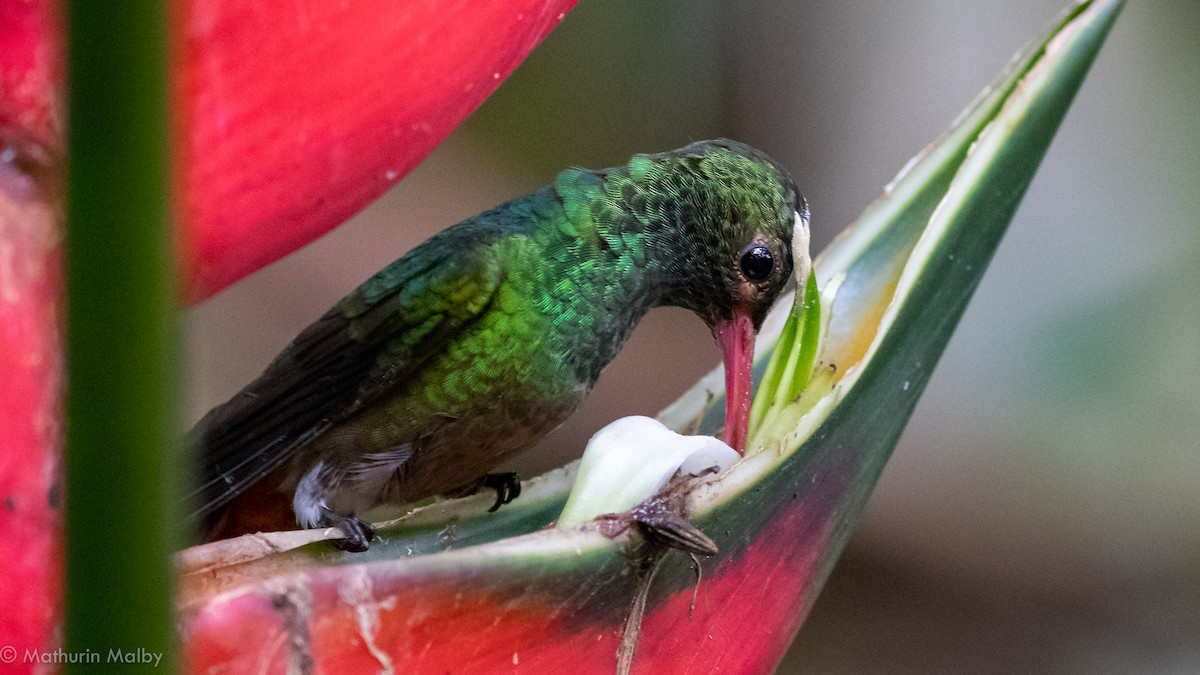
point(736, 337)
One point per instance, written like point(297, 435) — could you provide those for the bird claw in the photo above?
point(358, 534)
point(507, 486)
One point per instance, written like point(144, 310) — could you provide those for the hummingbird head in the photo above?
point(725, 232)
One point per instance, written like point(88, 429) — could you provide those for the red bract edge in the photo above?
point(291, 121)
point(30, 414)
point(30, 74)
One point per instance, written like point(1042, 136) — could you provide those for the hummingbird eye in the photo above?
point(757, 262)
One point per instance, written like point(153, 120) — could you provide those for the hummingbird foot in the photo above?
point(358, 533)
point(507, 486)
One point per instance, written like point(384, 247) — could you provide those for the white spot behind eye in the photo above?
point(802, 261)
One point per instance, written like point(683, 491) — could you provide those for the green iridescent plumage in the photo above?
point(480, 341)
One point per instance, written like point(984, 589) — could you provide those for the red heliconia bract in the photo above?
point(30, 355)
point(292, 118)
point(30, 72)
point(30, 430)
point(531, 615)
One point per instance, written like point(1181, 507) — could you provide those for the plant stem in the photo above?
point(121, 336)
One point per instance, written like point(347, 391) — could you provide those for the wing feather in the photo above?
point(374, 338)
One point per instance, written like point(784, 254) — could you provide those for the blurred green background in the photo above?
point(1042, 512)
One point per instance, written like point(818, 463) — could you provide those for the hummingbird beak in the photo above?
point(736, 337)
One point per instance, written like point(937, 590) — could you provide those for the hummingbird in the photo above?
point(480, 341)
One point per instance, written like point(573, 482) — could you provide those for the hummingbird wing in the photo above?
point(372, 339)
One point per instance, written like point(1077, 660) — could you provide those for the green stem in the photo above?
point(121, 336)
